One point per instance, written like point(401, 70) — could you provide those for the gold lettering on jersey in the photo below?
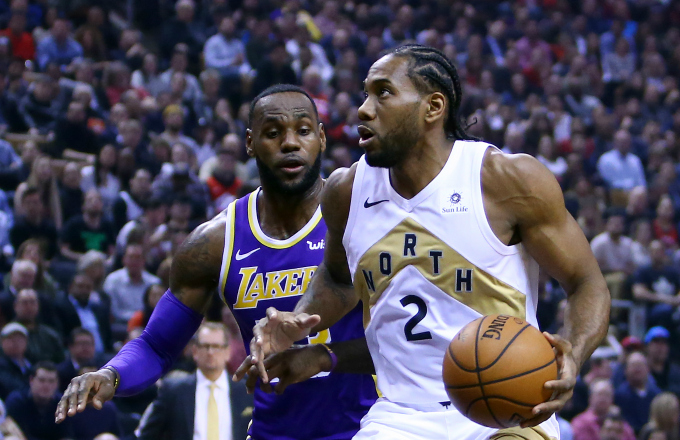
point(257, 286)
point(410, 244)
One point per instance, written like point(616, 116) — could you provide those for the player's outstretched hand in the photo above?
point(275, 333)
point(95, 388)
point(294, 365)
point(563, 387)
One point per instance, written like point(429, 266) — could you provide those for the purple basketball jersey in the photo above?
point(260, 272)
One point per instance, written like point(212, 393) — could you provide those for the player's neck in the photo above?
point(422, 166)
point(282, 216)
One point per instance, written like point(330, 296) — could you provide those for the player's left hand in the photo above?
point(563, 387)
point(291, 366)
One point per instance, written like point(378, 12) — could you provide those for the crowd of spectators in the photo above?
point(123, 127)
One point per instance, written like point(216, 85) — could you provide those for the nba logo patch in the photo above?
point(453, 202)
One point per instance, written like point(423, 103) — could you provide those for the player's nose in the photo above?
point(367, 110)
point(290, 141)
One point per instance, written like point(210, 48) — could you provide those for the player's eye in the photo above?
point(304, 131)
point(365, 95)
point(384, 92)
point(272, 134)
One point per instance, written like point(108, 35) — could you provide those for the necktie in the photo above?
point(213, 420)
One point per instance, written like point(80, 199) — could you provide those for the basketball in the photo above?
point(495, 368)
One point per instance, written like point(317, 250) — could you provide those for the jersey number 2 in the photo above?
point(419, 316)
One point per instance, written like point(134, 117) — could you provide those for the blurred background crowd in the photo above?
point(123, 125)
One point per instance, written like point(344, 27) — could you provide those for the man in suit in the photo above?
point(76, 310)
point(204, 405)
point(81, 354)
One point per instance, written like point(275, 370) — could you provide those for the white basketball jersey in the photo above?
point(427, 266)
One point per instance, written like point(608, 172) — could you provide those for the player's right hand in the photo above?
point(95, 388)
point(275, 333)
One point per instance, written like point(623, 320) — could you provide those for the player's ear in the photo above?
point(322, 136)
point(436, 107)
point(249, 142)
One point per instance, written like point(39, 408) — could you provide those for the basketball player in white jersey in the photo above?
point(434, 231)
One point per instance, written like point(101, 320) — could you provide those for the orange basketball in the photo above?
point(495, 368)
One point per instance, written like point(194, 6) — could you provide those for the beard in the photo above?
point(273, 183)
point(395, 145)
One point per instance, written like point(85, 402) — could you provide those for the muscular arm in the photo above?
point(524, 204)
point(330, 293)
point(141, 362)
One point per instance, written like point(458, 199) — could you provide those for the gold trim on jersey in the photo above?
point(270, 242)
point(410, 244)
point(229, 229)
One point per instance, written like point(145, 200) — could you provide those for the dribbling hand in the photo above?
point(563, 387)
point(273, 334)
point(94, 388)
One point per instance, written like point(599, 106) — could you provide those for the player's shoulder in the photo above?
point(515, 174)
point(204, 244)
point(337, 196)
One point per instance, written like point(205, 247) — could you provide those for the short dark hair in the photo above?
point(430, 70)
point(43, 365)
point(78, 331)
point(279, 88)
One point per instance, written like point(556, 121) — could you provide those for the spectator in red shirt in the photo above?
point(587, 425)
point(22, 43)
point(223, 183)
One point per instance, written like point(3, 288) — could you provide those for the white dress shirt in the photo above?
point(223, 406)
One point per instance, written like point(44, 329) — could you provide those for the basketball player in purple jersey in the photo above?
point(260, 252)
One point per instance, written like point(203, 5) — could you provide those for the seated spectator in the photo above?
point(126, 286)
point(664, 416)
point(132, 136)
point(587, 425)
point(658, 286)
point(128, 205)
point(184, 184)
point(547, 156)
point(613, 428)
point(666, 372)
point(93, 422)
point(23, 276)
point(44, 179)
point(44, 343)
point(20, 40)
point(89, 231)
point(664, 223)
point(183, 29)
point(101, 176)
point(33, 223)
point(71, 133)
point(178, 64)
point(33, 409)
point(76, 310)
point(621, 169)
point(223, 183)
point(641, 233)
point(171, 413)
point(147, 77)
point(635, 395)
point(70, 194)
point(274, 69)
point(40, 108)
point(613, 252)
point(151, 230)
point(140, 318)
point(93, 264)
point(33, 250)
point(81, 353)
point(14, 367)
point(173, 118)
point(225, 52)
point(58, 47)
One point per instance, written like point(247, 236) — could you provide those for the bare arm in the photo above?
point(525, 204)
point(330, 294)
point(193, 279)
point(642, 293)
